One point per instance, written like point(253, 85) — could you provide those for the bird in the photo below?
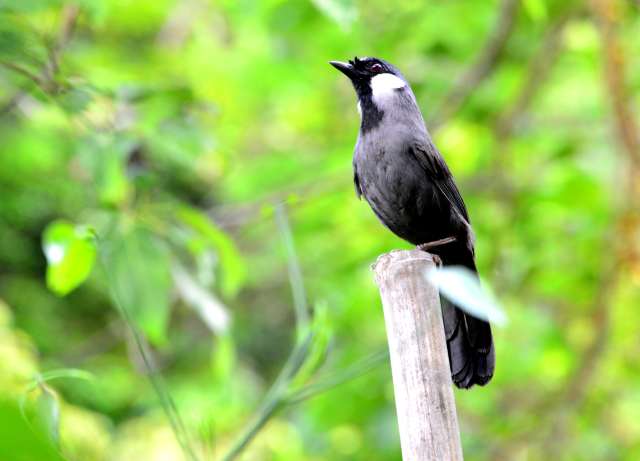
point(404, 178)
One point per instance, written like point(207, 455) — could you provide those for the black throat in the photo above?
point(370, 113)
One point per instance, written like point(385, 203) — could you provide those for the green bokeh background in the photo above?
point(157, 144)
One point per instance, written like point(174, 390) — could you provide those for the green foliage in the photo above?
point(206, 236)
point(164, 138)
point(22, 441)
point(70, 255)
point(137, 266)
point(48, 412)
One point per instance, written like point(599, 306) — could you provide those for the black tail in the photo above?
point(470, 346)
point(469, 342)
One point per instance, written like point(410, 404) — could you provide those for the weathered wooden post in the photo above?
point(419, 362)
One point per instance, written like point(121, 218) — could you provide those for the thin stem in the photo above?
point(167, 403)
point(483, 66)
point(22, 71)
point(293, 266)
point(275, 398)
point(324, 383)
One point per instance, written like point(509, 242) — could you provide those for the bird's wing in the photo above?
point(437, 171)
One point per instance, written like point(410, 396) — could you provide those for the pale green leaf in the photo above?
point(233, 269)
point(536, 9)
point(139, 274)
point(224, 357)
point(343, 12)
point(62, 373)
point(22, 441)
point(462, 287)
point(70, 254)
point(48, 412)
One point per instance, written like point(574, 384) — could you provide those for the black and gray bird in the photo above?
point(405, 180)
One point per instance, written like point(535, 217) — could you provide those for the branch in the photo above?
point(538, 71)
point(45, 79)
point(483, 65)
point(22, 71)
point(621, 240)
point(606, 14)
point(68, 23)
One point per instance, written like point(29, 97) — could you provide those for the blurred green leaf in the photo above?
point(76, 99)
point(224, 357)
point(48, 412)
point(343, 12)
point(139, 274)
point(325, 381)
point(20, 46)
point(317, 355)
point(111, 179)
point(20, 441)
point(28, 6)
point(62, 373)
point(12, 39)
point(462, 287)
point(70, 254)
point(536, 9)
point(233, 270)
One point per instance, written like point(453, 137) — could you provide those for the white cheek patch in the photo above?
point(384, 85)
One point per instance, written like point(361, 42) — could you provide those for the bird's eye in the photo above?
point(376, 67)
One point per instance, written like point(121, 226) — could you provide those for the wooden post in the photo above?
point(425, 404)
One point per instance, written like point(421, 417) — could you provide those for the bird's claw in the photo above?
point(436, 243)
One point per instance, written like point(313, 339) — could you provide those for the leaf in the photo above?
point(48, 412)
point(62, 373)
point(462, 287)
point(20, 45)
point(326, 381)
point(536, 9)
point(317, 355)
point(76, 99)
point(20, 441)
point(28, 6)
point(70, 254)
point(111, 179)
point(139, 276)
point(343, 12)
point(224, 358)
point(233, 270)
point(12, 40)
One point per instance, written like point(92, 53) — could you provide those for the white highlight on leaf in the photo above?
point(210, 308)
point(344, 13)
point(462, 287)
point(54, 253)
point(384, 85)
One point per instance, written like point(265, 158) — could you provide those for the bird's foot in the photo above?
point(436, 243)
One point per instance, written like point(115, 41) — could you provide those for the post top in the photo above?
point(386, 260)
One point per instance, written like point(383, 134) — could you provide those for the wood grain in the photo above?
point(424, 398)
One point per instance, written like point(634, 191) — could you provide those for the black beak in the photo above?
point(344, 67)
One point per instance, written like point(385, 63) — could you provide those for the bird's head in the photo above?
point(372, 77)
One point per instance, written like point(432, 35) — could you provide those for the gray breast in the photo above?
point(393, 182)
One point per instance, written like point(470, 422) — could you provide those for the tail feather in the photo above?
point(469, 340)
point(470, 347)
